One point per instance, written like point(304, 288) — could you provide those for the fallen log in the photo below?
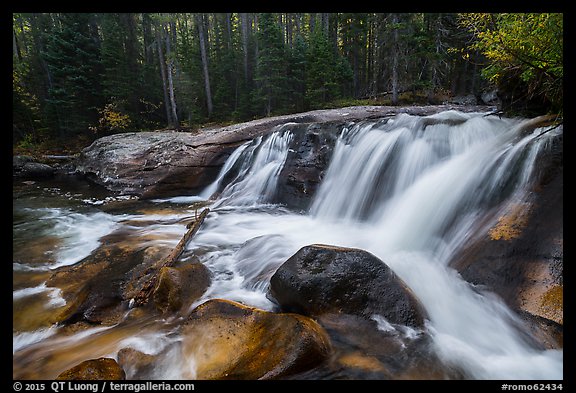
point(530, 125)
point(148, 288)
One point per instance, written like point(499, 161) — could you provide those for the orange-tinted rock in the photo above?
point(94, 369)
point(231, 341)
point(180, 286)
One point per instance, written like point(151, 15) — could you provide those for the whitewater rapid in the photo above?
point(408, 190)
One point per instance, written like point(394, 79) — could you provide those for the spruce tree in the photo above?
point(321, 85)
point(73, 60)
point(271, 68)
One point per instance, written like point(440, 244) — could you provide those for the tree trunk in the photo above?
point(375, 55)
point(163, 74)
point(229, 31)
point(142, 297)
point(244, 22)
point(203, 54)
point(395, 49)
point(171, 82)
point(147, 38)
point(16, 47)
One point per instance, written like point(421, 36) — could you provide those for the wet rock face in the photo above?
point(231, 341)
point(322, 279)
point(308, 158)
point(94, 369)
point(99, 288)
point(521, 256)
point(166, 163)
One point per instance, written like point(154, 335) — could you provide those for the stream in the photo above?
point(413, 193)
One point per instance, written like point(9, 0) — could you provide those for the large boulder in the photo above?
point(231, 341)
point(166, 163)
point(322, 279)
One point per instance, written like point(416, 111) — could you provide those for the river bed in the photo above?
point(411, 198)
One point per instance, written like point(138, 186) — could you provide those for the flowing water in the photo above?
point(410, 190)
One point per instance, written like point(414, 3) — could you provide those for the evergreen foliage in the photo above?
point(90, 74)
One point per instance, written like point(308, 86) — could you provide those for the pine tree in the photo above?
point(73, 60)
point(271, 68)
point(323, 70)
point(297, 74)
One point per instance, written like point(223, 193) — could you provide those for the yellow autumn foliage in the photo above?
point(111, 120)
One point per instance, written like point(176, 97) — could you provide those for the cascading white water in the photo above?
point(408, 191)
point(260, 164)
point(228, 165)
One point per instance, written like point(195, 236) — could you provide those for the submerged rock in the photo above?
point(231, 341)
point(374, 349)
point(322, 279)
point(94, 369)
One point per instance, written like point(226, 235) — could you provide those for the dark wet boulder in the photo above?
point(322, 279)
point(28, 167)
point(231, 341)
point(93, 370)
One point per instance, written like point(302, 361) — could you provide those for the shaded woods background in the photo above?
point(80, 76)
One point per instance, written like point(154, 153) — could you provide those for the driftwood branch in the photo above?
point(537, 122)
point(142, 297)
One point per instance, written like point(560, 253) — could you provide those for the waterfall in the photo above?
point(228, 165)
point(408, 190)
point(257, 165)
point(411, 190)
